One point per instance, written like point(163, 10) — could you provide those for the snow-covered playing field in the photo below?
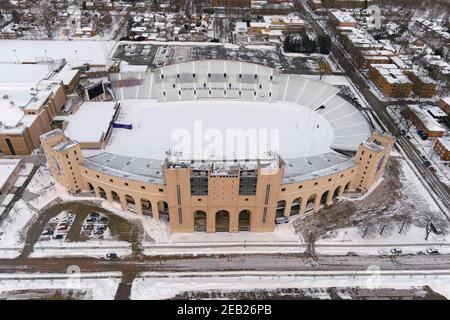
point(196, 128)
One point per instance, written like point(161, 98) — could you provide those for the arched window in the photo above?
point(200, 221)
point(146, 207)
point(222, 221)
point(244, 220)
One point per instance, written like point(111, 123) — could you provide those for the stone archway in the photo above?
point(281, 208)
point(222, 221)
point(130, 203)
point(146, 207)
point(245, 220)
point(115, 196)
point(337, 192)
point(323, 198)
point(200, 221)
point(163, 210)
point(310, 203)
point(102, 193)
point(295, 206)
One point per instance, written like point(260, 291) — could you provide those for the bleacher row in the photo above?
point(219, 79)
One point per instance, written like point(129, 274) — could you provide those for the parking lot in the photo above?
point(58, 227)
point(95, 226)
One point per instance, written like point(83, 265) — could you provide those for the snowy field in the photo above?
point(74, 51)
point(165, 286)
point(102, 286)
point(196, 128)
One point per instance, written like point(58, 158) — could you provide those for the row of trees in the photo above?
point(305, 43)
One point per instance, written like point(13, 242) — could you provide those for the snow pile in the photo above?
point(103, 286)
point(157, 286)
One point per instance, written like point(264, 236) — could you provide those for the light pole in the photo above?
point(345, 233)
point(15, 53)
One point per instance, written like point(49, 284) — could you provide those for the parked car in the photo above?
point(48, 232)
point(432, 169)
point(103, 220)
point(94, 214)
point(63, 227)
point(91, 220)
point(432, 251)
point(281, 220)
point(352, 254)
point(427, 163)
point(54, 220)
point(98, 232)
point(396, 251)
point(58, 236)
point(112, 256)
point(101, 227)
point(89, 227)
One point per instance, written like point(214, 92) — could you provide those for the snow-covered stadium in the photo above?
point(324, 147)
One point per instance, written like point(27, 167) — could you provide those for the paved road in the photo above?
point(212, 263)
point(379, 108)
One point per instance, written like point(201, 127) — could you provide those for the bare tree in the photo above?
point(433, 222)
point(403, 221)
point(384, 225)
point(47, 16)
point(405, 118)
point(366, 228)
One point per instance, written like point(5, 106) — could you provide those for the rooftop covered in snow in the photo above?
point(90, 123)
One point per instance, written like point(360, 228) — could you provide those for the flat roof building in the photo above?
point(342, 19)
point(9, 168)
point(442, 148)
point(28, 103)
point(391, 80)
point(424, 121)
point(444, 104)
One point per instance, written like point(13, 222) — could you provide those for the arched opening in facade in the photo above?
point(222, 221)
point(163, 210)
point(90, 187)
point(102, 192)
point(336, 192)
point(323, 198)
point(131, 204)
point(244, 220)
point(347, 187)
point(281, 207)
point(200, 221)
point(310, 203)
point(146, 207)
point(295, 206)
point(115, 196)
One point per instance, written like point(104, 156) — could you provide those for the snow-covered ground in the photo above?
point(93, 249)
point(410, 240)
point(103, 286)
point(73, 51)
point(165, 286)
point(12, 228)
